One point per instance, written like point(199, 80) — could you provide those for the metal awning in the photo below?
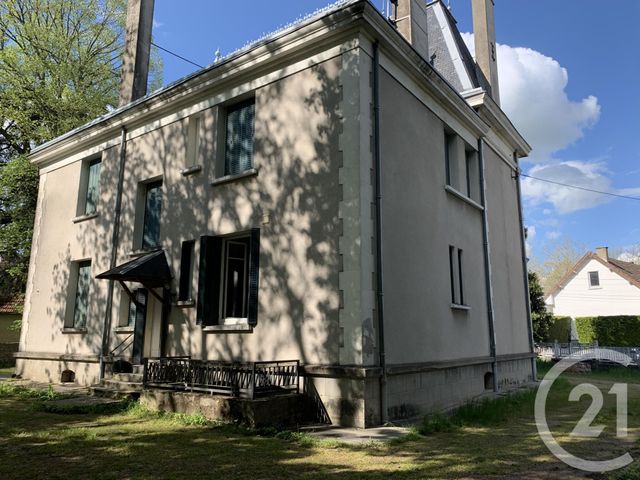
point(151, 270)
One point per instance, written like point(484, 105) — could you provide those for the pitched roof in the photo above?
point(449, 54)
point(627, 270)
point(11, 305)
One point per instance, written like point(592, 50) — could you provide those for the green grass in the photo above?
point(490, 439)
point(7, 371)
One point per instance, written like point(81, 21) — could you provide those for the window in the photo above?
point(594, 279)
point(456, 276)
point(472, 174)
point(186, 271)
point(239, 133)
point(449, 157)
point(137, 307)
point(152, 211)
point(81, 304)
point(93, 187)
point(228, 279)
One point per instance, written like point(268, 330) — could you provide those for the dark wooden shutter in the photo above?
point(209, 281)
point(254, 275)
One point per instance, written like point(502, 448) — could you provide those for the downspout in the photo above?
point(114, 250)
point(525, 271)
point(487, 268)
point(378, 203)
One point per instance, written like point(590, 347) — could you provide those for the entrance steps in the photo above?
point(120, 385)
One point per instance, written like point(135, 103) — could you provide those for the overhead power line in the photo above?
point(581, 188)
point(176, 55)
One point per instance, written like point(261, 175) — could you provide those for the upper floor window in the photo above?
point(152, 211)
point(89, 191)
point(239, 136)
point(594, 279)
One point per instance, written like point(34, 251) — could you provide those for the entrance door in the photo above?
point(141, 295)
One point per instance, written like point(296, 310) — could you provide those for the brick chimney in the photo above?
point(135, 61)
point(484, 34)
point(410, 17)
point(603, 253)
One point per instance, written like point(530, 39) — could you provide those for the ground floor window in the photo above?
point(228, 278)
point(81, 304)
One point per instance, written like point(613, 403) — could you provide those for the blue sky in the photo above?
point(569, 70)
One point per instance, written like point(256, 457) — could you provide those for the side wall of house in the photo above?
point(614, 296)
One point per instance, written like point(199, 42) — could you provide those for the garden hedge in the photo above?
point(613, 331)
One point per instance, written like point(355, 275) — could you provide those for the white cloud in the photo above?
point(533, 94)
point(531, 235)
point(553, 235)
point(157, 24)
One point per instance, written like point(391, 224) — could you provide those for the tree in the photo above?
point(59, 68)
point(540, 318)
point(559, 261)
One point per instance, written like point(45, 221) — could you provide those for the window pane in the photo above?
point(93, 187)
point(132, 313)
point(594, 279)
point(236, 278)
point(239, 138)
point(452, 274)
point(186, 262)
point(82, 295)
point(153, 208)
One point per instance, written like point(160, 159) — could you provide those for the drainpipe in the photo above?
point(378, 200)
point(114, 251)
point(487, 268)
point(525, 270)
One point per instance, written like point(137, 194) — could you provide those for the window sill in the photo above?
point(84, 218)
point(236, 328)
point(595, 288)
point(191, 170)
point(71, 330)
point(124, 329)
point(457, 306)
point(186, 303)
point(463, 197)
point(139, 253)
point(252, 172)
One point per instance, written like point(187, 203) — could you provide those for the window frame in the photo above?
point(456, 277)
point(83, 188)
point(229, 109)
point(185, 285)
point(71, 318)
point(145, 200)
point(245, 242)
point(589, 276)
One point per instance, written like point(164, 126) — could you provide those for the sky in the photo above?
point(569, 71)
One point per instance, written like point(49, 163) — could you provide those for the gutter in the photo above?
point(525, 271)
point(114, 251)
point(487, 268)
point(378, 202)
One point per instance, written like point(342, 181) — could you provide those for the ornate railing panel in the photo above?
point(247, 380)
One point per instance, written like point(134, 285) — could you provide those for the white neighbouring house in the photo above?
point(597, 286)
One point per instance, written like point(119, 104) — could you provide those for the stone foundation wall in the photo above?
point(6, 354)
point(50, 371)
point(276, 411)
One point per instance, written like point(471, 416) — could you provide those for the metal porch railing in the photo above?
point(245, 380)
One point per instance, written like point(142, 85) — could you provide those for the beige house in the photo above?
point(343, 192)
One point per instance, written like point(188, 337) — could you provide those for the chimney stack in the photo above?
point(410, 18)
point(603, 253)
point(137, 48)
point(484, 34)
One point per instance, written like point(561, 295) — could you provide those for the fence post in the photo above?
point(252, 381)
point(298, 376)
point(556, 349)
point(596, 351)
point(145, 366)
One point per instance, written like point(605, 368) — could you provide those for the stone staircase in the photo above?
point(120, 385)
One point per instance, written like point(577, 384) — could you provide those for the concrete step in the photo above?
point(127, 377)
point(120, 385)
point(138, 369)
point(107, 392)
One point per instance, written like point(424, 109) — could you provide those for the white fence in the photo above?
point(556, 351)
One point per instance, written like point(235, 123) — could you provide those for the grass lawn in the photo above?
point(7, 371)
point(496, 440)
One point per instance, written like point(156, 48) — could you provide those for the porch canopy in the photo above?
point(151, 270)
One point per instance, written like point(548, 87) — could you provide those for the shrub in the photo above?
point(560, 330)
point(614, 331)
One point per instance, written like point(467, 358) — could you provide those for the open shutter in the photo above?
point(209, 281)
point(254, 275)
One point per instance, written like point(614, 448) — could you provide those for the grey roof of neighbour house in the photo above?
point(449, 54)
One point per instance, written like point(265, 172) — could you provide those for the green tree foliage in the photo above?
point(540, 318)
point(59, 68)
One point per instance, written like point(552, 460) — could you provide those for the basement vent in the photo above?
point(488, 381)
point(68, 376)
